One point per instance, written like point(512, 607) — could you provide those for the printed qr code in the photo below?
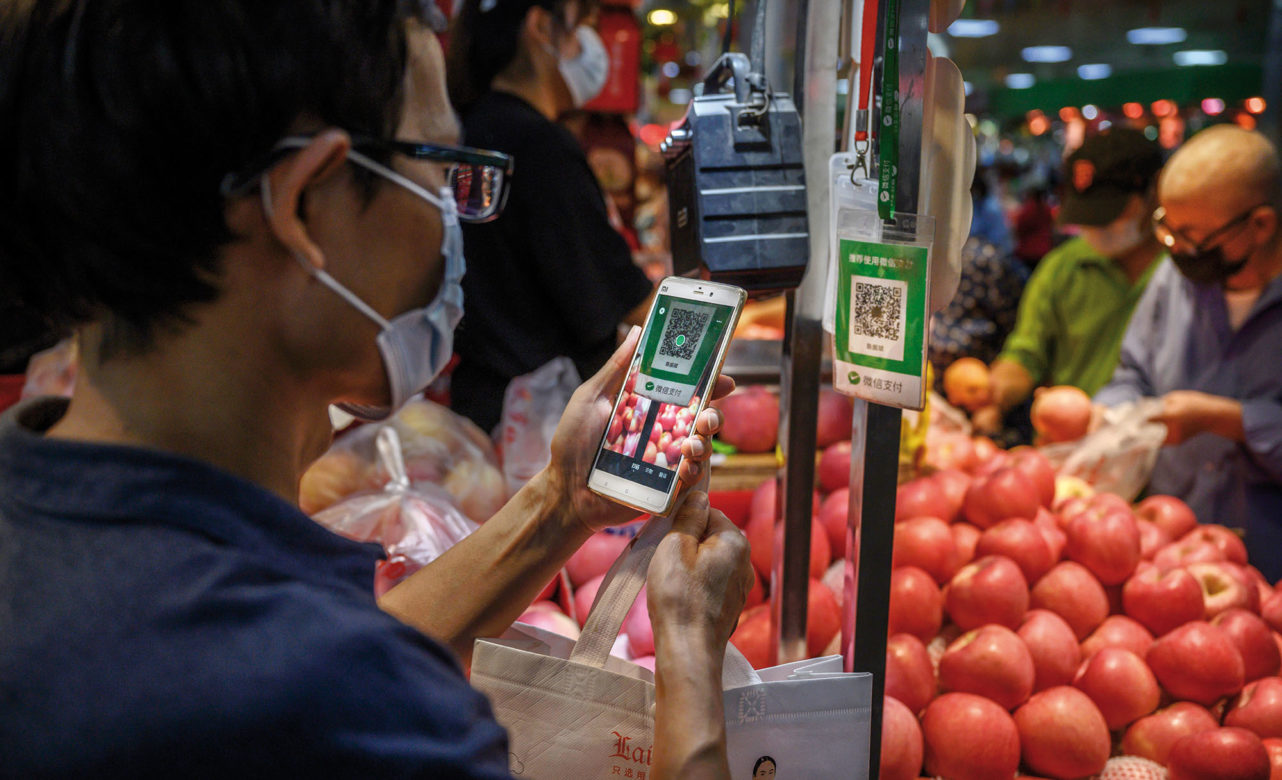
point(682, 335)
point(878, 310)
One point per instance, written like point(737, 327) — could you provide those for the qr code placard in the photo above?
point(877, 317)
point(683, 333)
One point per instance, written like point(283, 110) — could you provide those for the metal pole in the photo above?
point(815, 95)
point(874, 463)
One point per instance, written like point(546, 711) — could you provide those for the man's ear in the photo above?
point(1265, 222)
point(287, 181)
point(538, 27)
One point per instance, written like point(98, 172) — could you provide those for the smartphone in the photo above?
point(676, 364)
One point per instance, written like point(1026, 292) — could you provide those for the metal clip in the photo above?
point(861, 161)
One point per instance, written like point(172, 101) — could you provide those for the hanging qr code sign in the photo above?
point(881, 321)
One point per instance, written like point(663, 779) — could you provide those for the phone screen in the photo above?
point(667, 381)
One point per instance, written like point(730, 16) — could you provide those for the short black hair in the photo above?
point(119, 118)
point(761, 761)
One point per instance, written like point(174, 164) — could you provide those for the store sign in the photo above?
point(621, 35)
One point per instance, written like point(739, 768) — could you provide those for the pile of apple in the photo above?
point(1044, 628)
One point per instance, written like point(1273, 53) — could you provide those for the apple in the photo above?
point(672, 452)
point(546, 615)
point(1254, 641)
point(645, 662)
point(834, 466)
point(1152, 736)
point(823, 618)
point(1223, 587)
point(1034, 465)
point(834, 516)
point(667, 418)
point(1197, 662)
point(1109, 545)
point(992, 662)
point(750, 418)
point(834, 579)
point(1274, 746)
point(1022, 542)
point(584, 595)
point(1221, 754)
point(901, 742)
point(910, 676)
point(945, 451)
point(1228, 543)
point(1053, 647)
point(1271, 611)
point(651, 452)
point(1131, 768)
point(752, 637)
point(966, 383)
point(756, 594)
point(1168, 513)
point(1073, 593)
point(1061, 413)
point(1181, 553)
point(1163, 601)
point(1055, 537)
point(953, 483)
point(1120, 684)
point(986, 451)
point(1069, 487)
point(763, 503)
point(1004, 494)
point(681, 429)
point(1062, 733)
point(616, 428)
point(989, 590)
point(595, 556)
point(835, 418)
point(916, 605)
point(1258, 708)
point(1118, 631)
point(965, 537)
point(927, 543)
point(636, 624)
point(969, 737)
point(1152, 539)
point(920, 497)
point(761, 546)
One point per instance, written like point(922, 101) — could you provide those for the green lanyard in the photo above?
point(888, 138)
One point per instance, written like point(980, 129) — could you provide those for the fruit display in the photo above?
point(672, 424)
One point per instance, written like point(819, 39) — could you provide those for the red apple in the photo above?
point(834, 514)
point(1152, 736)
point(1197, 662)
point(992, 662)
point(595, 556)
point(1271, 611)
point(1120, 684)
point(927, 543)
point(916, 605)
point(764, 498)
point(1109, 545)
point(1061, 413)
point(953, 483)
point(584, 595)
point(1180, 553)
point(910, 676)
point(990, 590)
point(1258, 708)
point(757, 594)
point(1228, 543)
point(965, 537)
point(834, 579)
point(1163, 601)
point(1274, 746)
point(1223, 587)
point(1022, 542)
point(1039, 471)
point(823, 618)
point(1062, 733)
point(1152, 539)
point(1168, 513)
point(901, 742)
point(761, 539)
point(969, 737)
point(1118, 631)
point(948, 451)
point(834, 466)
point(1254, 641)
point(752, 636)
point(985, 451)
point(750, 419)
point(1222, 754)
point(1004, 494)
point(1055, 537)
point(1073, 593)
point(836, 415)
point(920, 497)
point(1052, 646)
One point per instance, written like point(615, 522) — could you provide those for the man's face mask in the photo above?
point(1203, 262)
point(1114, 240)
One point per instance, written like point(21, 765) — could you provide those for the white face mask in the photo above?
point(586, 74)
point(1114, 240)
point(416, 345)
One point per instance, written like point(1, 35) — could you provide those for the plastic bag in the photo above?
point(439, 448)
point(53, 371)
point(532, 408)
point(1118, 457)
point(415, 525)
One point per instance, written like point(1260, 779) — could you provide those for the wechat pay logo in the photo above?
point(853, 378)
point(649, 386)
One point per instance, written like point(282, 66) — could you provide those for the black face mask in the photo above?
point(1208, 266)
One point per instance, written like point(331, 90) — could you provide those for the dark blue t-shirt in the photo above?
point(161, 618)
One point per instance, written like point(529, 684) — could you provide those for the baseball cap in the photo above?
point(1104, 172)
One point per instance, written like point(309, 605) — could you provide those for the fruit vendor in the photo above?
point(549, 277)
point(211, 194)
point(1077, 302)
point(1207, 337)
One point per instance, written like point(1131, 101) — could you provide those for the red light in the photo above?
point(1212, 106)
point(1163, 108)
point(1038, 125)
point(1245, 121)
point(1133, 110)
point(652, 135)
point(1255, 105)
point(1068, 113)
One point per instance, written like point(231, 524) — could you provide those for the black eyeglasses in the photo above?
point(1170, 236)
point(478, 177)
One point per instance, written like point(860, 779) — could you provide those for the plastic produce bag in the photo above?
point(415, 525)
point(532, 408)
point(1118, 457)
point(53, 371)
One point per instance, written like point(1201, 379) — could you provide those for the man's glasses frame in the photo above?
point(1169, 236)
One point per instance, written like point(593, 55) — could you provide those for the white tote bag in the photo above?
point(574, 712)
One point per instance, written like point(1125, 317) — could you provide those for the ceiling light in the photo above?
point(973, 28)
point(1156, 36)
point(1020, 80)
point(968, 88)
point(1094, 71)
point(1046, 54)
point(1089, 111)
point(1255, 105)
point(1212, 106)
point(1190, 57)
point(670, 70)
point(679, 96)
point(1133, 110)
point(661, 17)
point(1163, 108)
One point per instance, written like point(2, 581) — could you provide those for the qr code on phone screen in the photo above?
point(682, 334)
point(878, 310)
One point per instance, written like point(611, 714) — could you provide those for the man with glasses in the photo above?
point(1207, 337)
point(250, 211)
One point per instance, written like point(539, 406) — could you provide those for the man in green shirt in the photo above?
point(1078, 302)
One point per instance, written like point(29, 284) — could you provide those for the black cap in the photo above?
point(1104, 172)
